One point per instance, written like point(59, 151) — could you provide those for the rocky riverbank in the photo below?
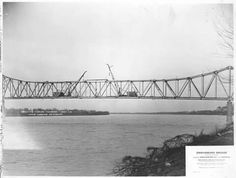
point(169, 160)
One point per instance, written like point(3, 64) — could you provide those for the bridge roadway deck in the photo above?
point(126, 97)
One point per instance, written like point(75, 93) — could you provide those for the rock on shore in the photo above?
point(169, 160)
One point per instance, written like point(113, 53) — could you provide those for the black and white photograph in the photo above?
point(114, 88)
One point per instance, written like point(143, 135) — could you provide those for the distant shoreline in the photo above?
point(36, 115)
point(52, 112)
point(75, 112)
point(172, 113)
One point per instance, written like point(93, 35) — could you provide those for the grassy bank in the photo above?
point(169, 160)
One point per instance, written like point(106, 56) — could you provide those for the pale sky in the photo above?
point(58, 41)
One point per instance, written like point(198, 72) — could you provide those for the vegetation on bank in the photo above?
point(169, 160)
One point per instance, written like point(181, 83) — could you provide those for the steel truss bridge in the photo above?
point(215, 85)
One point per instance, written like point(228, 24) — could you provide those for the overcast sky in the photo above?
point(144, 40)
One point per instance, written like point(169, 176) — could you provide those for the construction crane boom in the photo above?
point(77, 82)
point(113, 78)
point(68, 91)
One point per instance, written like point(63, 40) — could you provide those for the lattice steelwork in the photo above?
point(216, 85)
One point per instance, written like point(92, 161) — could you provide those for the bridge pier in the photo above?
point(229, 118)
point(1, 133)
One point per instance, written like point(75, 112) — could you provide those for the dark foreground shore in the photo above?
point(169, 160)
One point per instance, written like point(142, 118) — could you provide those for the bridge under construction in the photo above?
point(215, 85)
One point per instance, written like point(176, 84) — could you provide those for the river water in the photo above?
point(89, 145)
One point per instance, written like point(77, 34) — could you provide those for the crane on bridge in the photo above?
point(113, 78)
point(129, 93)
point(68, 90)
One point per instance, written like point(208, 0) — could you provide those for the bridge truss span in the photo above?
point(215, 85)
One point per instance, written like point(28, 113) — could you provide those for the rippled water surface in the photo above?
point(89, 145)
